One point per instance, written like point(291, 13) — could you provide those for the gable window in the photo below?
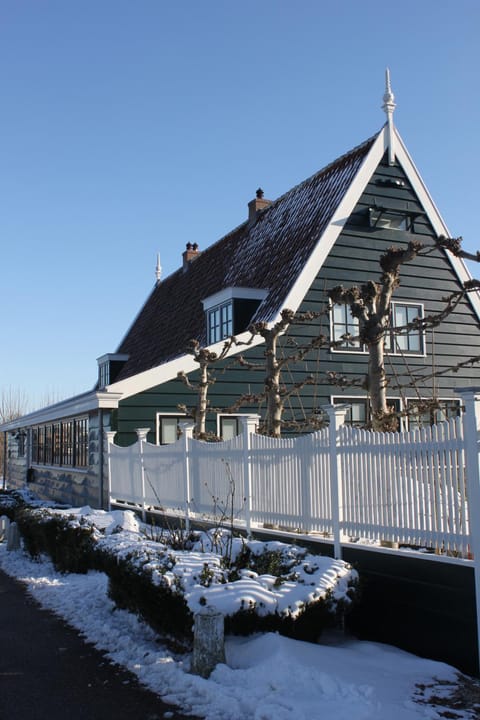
point(389, 219)
point(220, 322)
point(168, 429)
point(343, 323)
point(411, 341)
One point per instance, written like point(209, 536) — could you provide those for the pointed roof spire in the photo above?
point(389, 106)
point(158, 270)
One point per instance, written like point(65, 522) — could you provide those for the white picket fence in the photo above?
point(341, 483)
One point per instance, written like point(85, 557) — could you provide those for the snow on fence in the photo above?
point(341, 482)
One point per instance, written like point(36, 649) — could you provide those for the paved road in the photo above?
point(48, 672)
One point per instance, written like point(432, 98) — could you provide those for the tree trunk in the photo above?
point(273, 419)
point(377, 384)
point(202, 403)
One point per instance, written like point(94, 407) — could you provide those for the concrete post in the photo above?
point(208, 641)
point(13, 537)
point(4, 525)
point(336, 416)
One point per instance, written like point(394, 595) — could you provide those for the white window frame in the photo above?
point(421, 333)
point(361, 349)
point(440, 400)
point(159, 415)
point(235, 416)
point(223, 328)
point(350, 399)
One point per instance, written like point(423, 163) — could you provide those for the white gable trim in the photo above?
point(169, 370)
point(434, 216)
point(346, 206)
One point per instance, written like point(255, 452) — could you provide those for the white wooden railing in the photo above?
point(343, 483)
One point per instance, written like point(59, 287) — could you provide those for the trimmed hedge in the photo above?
point(141, 577)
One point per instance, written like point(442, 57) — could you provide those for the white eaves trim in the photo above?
point(169, 370)
point(78, 405)
point(234, 293)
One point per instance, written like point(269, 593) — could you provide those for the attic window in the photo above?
point(109, 366)
point(230, 311)
point(390, 219)
point(220, 322)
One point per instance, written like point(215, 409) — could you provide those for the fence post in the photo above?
point(187, 429)
point(336, 417)
point(470, 398)
point(249, 426)
point(110, 435)
point(141, 438)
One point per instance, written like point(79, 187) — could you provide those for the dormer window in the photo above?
point(109, 366)
point(230, 311)
point(220, 322)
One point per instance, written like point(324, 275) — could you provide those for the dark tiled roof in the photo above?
point(268, 254)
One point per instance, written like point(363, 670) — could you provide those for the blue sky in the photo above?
point(131, 128)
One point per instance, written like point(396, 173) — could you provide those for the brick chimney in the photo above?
point(256, 205)
point(191, 253)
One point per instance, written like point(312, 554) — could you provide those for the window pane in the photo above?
point(228, 427)
point(410, 341)
point(168, 430)
point(345, 324)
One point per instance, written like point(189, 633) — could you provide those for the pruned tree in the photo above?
point(205, 359)
point(371, 305)
point(275, 392)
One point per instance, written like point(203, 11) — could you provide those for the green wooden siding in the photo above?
point(354, 259)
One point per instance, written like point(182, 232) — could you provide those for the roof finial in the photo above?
point(158, 270)
point(389, 106)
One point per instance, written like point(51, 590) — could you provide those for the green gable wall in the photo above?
point(354, 259)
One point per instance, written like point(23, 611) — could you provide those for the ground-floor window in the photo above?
point(412, 413)
point(427, 413)
point(168, 428)
point(63, 443)
point(229, 426)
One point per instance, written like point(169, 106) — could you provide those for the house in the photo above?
point(329, 230)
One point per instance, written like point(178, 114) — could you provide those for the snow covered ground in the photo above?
point(266, 677)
